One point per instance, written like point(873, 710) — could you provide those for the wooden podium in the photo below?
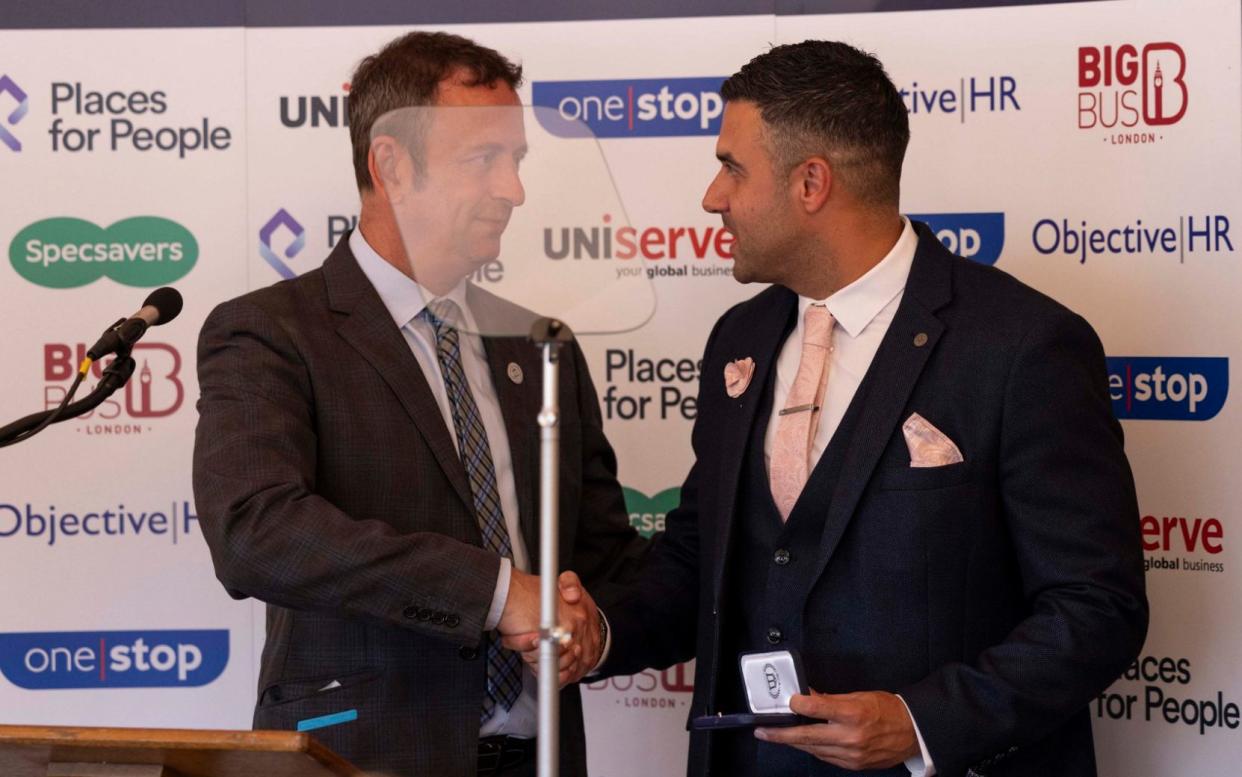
point(60, 751)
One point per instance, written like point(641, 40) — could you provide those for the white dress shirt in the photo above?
point(863, 311)
point(405, 299)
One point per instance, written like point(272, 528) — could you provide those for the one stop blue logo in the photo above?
point(975, 236)
point(113, 659)
point(1168, 388)
point(630, 108)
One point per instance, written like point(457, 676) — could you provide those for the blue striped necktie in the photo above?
point(504, 668)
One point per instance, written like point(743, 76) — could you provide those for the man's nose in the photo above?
point(508, 185)
point(713, 199)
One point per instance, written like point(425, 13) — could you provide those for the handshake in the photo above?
point(577, 616)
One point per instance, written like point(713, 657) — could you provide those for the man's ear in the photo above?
point(391, 168)
point(812, 181)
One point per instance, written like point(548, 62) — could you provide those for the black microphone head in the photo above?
point(167, 301)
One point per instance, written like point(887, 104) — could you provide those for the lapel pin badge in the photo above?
point(515, 373)
point(920, 340)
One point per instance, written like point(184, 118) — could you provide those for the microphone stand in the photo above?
point(116, 375)
point(549, 334)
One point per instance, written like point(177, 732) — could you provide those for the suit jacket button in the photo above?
point(775, 635)
point(410, 612)
point(468, 653)
point(452, 621)
point(424, 614)
point(781, 557)
point(439, 618)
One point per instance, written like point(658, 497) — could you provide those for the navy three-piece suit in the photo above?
point(997, 595)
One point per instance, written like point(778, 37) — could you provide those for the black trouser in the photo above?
point(502, 756)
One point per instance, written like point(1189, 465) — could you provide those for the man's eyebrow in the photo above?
point(484, 146)
point(728, 159)
point(492, 147)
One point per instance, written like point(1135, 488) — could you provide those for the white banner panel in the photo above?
point(1091, 149)
point(130, 175)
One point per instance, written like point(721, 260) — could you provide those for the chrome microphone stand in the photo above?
point(549, 334)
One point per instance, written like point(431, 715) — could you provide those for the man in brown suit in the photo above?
point(370, 471)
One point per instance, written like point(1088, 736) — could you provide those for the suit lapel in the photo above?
point(761, 340)
point(519, 405)
point(520, 399)
point(890, 380)
point(368, 327)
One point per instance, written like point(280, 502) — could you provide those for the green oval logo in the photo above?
point(647, 512)
point(63, 253)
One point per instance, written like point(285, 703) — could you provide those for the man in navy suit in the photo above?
point(907, 469)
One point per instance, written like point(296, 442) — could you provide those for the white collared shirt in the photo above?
point(863, 311)
point(405, 299)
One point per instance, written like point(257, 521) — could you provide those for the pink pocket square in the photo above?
point(929, 447)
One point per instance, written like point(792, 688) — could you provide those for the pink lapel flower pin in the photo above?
point(737, 375)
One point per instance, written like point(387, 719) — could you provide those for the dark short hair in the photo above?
point(828, 98)
point(407, 72)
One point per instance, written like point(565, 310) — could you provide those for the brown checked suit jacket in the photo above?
point(328, 486)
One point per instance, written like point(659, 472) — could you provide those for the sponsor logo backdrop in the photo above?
point(1090, 149)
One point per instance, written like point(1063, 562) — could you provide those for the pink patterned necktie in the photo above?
point(796, 425)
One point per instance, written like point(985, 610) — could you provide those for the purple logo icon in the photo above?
point(8, 86)
point(282, 218)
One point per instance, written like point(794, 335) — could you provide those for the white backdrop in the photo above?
point(1018, 158)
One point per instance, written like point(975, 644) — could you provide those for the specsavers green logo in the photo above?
point(647, 512)
point(63, 253)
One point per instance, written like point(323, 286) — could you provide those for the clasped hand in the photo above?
point(577, 617)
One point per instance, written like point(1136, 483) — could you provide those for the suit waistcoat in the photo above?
point(768, 566)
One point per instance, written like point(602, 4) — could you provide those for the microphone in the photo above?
point(160, 307)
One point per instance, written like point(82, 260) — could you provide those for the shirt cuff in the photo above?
point(920, 765)
point(603, 656)
point(500, 596)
